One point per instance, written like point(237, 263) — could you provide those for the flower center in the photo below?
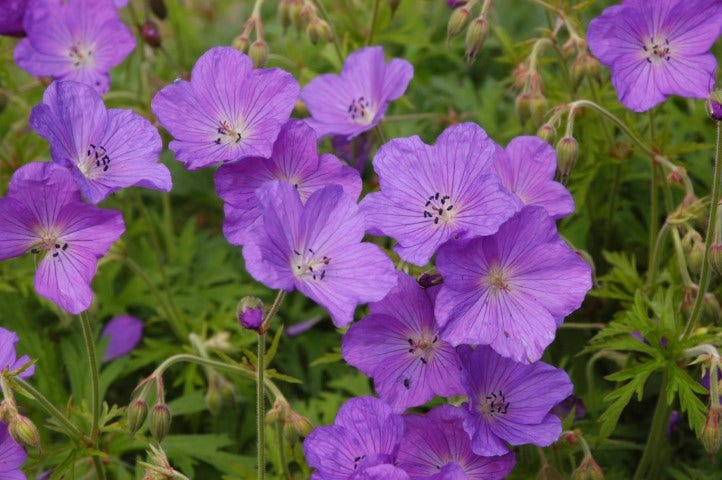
point(656, 50)
point(49, 242)
point(96, 161)
point(497, 280)
point(309, 265)
point(360, 111)
point(80, 55)
point(494, 404)
point(227, 135)
point(422, 347)
point(438, 207)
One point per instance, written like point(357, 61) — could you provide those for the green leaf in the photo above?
point(688, 390)
point(271, 352)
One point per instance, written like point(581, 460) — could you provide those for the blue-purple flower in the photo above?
point(510, 402)
point(44, 215)
point(79, 40)
point(512, 289)
point(436, 447)
point(658, 48)
point(317, 249)
point(430, 194)
point(355, 101)
point(8, 356)
point(11, 20)
point(123, 332)
point(294, 159)
point(398, 345)
point(227, 112)
point(12, 456)
point(105, 150)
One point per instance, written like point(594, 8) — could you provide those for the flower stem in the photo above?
point(653, 213)
point(656, 434)
point(711, 228)
point(96, 400)
point(260, 408)
point(374, 19)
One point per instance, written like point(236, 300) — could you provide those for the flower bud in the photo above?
point(475, 37)
point(430, 279)
point(694, 258)
point(710, 436)
point(549, 473)
point(278, 411)
point(301, 424)
point(317, 29)
point(137, 412)
point(567, 154)
point(547, 132)
point(24, 431)
point(523, 107)
point(160, 419)
point(214, 401)
point(259, 53)
point(711, 307)
point(714, 105)
point(158, 8)
point(241, 43)
point(295, 10)
point(394, 5)
point(584, 65)
point(150, 34)
point(284, 14)
point(457, 22)
point(538, 108)
point(715, 257)
point(250, 313)
point(588, 470)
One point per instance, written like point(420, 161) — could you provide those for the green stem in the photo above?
point(281, 450)
point(95, 383)
point(653, 213)
point(260, 408)
point(711, 228)
point(380, 133)
point(374, 19)
point(655, 257)
point(336, 41)
point(681, 260)
point(656, 434)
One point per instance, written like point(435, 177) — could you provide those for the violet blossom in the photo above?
point(659, 48)
point(123, 333)
point(436, 447)
point(8, 355)
point(510, 401)
point(11, 20)
point(317, 249)
point(106, 150)
point(430, 194)
point(356, 151)
point(294, 159)
point(44, 215)
point(355, 101)
point(512, 289)
point(398, 345)
point(227, 112)
point(79, 40)
point(12, 456)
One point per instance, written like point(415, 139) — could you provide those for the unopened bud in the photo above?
point(278, 412)
point(158, 8)
point(584, 65)
point(547, 132)
point(715, 257)
point(150, 34)
point(588, 470)
point(567, 154)
point(538, 108)
point(137, 412)
point(313, 30)
point(394, 5)
point(714, 105)
point(295, 10)
point(523, 107)
point(250, 313)
point(694, 258)
point(710, 436)
point(284, 14)
point(711, 307)
point(457, 21)
point(476, 36)
point(214, 401)
point(549, 473)
point(241, 43)
point(259, 53)
point(160, 419)
point(301, 424)
point(24, 431)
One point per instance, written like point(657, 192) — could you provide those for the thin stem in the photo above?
point(380, 133)
point(273, 310)
point(260, 408)
point(711, 227)
point(681, 260)
point(656, 432)
point(95, 383)
point(336, 41)
point(374, 19)
point(653, 213)
point(583, 326)
point(281, 450)
point(655, 257)
point(546, 5)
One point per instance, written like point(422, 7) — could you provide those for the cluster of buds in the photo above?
point(588, 469)
point(478, 27)
point(149, 31)
point(710, 436)
point(158, 468)
point(21, 428)
point(159, 418)
point(303, 14)
point(531, 104)
point(293, 424)
point(258, 51)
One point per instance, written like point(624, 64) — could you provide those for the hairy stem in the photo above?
point(260, 408)
point(95, 384)
point(656, 434)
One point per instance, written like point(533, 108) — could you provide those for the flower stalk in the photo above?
point(95, 384)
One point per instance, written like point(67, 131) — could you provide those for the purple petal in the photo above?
point(124, 333)
point(8, 355)
point(12, 456)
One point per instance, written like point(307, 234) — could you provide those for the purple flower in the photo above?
point(510, 290)
point(510, 401)
point(78, 40)
point(356, 151)
point(106, 150)
point(11, 20)
point(12, 456)
point(430, 194)
point(120, 3)
point(355, 101)
point(564, 408)
point(8, 356)
point(294, 159)
point(436, 447)
point(656, 49)
point(364, 436)
point(43, 213)
point(228, 111)
point(124, 333)
point(398, 345)
point(317, 249)
point(526, 168)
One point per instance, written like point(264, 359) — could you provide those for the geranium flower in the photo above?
point(43, 214)
point(123, 332)
point(361, 444)
point(9, 359)
point(106, 150)
point(510, 290)
point(658, 48)
point(11, 21)
point(228, 111)
point(398, 345)
point(436, 447)
point(430, 194)
point(79, 40)
point(317, 249)
point(294, 159)
point(12, 456)
point(356, 100)
point(510, 401)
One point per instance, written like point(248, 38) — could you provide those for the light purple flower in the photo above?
point(317, 249)
point(8, 356)
point(124, 333)
point(364, 436)
point(11, 20)
point(356, 100)
point(526, 168)
point(120, 3)
point(228, 111)
point(294, 159)
point(436, 447)
point(79, 40)
point(43, 214)
point(430, 194)
point(510, 290)
point(356, 151)
point(398, 345)
point(510, 401)
point(12, 456)
point(658, 48)
point(106, 150)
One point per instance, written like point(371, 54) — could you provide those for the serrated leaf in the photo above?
point(688, 390)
